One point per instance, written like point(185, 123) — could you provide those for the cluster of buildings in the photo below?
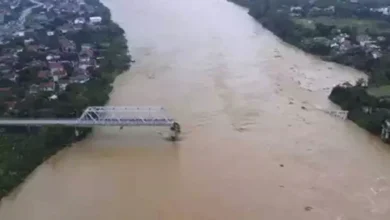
point(53, 71)
point(29, 48)
point(38, 13)
point(298, 11)
point(338, 41)
point(312, 10)
point(370, 45)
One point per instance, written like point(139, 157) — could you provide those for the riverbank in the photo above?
point(21, 150)
point(324, 31)
point(245, 3)
point(233, 101)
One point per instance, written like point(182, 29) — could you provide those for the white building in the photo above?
point(79, 21)
point(95, 20)
point(79, 79)
point(376, 54)
point(27, 41)
point(295, 9)
point(63, 84)
point(19, 34)
point(53, 97)
point(384, 10)
point(385, 135)
point(330, 9)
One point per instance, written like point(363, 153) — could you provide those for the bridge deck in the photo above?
point(103, 116)
point(86, 123)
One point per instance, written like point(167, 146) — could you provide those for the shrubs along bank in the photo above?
point(352, 33)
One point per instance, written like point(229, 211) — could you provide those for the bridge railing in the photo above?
point(105, 116)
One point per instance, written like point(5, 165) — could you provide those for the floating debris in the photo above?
point(308, 208)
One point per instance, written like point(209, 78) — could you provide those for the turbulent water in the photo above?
point(254, 146)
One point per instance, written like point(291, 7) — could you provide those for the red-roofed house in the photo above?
point(47, 87)
point(85, 56)
point(44, 74)
point(57, 70)
point(5, 89)
point(67, 45)
point(56, 67)
point(59, 75)
point(84, 65)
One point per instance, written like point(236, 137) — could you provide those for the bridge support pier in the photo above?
point(175, 131)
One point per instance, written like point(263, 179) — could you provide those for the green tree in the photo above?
point(324, 30)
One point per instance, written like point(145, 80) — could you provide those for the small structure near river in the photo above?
point(385, 134)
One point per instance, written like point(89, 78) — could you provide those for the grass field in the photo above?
point(379, 92)
point(307, 23)
point(361, 25)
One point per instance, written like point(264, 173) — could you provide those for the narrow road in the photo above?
point(26, 12)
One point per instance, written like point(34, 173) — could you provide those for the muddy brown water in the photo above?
point(248, 149)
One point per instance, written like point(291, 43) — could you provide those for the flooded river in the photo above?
point(249, 150)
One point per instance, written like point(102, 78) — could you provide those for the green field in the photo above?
point(361, 25)
point(307, 23)
point(379, 92)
